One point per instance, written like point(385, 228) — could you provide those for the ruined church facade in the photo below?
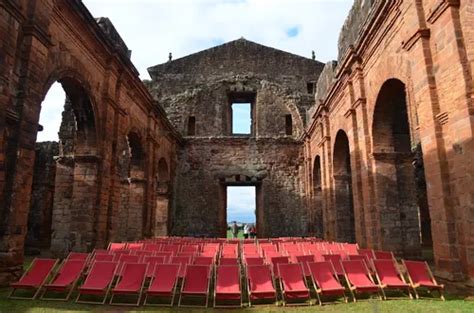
point(374, 148)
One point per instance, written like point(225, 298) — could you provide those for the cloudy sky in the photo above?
point(154, 28)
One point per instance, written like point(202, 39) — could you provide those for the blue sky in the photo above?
point(241, 121)
point(153, 28)
point(241, 204)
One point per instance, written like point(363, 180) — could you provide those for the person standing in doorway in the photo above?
point(253, 231)
point(234, 229)
point(246, 231)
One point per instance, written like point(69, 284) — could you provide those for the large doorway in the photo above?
point(400, 179)
point(241, 207)
point(345, 224)
point(64, 187)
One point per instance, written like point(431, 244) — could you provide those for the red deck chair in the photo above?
point(196, 284)
point(114, 246)
point(101, 251)
point(203, 260)
point(190, 249)
point(228, 261)
point(227, 286)
point(118, 254)
point(325, 280)
point(278, 260)
point(364, 258)
point(172, 248)
point(152, 247)
point(293, 283)
point(335, 259)
point(163, 284)
point(103, 257)
point(79, 256)
point(167, 255)
point(304, 260)
point(152, 261)
point(384, 255)
point(34, 278)
point(368, 252)
point(260, 283)
point(183, 261)
point(142, 253)
point(126, 259)
point(131, 282)
point(359, 279)
point(65, 279)
point(135, 245)
point(254, 261)
point(420, 276)
point(389, 277)
point(98, 282)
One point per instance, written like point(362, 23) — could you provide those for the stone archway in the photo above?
point(344, 209)
point(74, 182)
point(396, 188)
point(161, 216)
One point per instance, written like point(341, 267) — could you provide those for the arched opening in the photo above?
point(317, 222)
point(133, 200)
point(344, 210)
point(63, 196)
point(395, 168)
point(162, 199)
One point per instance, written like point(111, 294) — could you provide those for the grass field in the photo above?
point(240, 235)
point(395, 306)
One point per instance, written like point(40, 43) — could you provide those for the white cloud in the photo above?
point(51, 113)
point(241, 204)
point(153, 28)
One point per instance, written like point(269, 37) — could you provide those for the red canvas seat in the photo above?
point(420, 276)
point(196, 283)
point(152, 247)
point(65, 279)
point(364, 258)
point(254, 261)
point(98, 282)
point(304, 260)
point(183, 261)
point(227, 285)
point(293, 284)
point(114, 246)
point(142, 253)
point(163, 283)
point(126, 259)
point(203, 260)
point(383, 255)
point(172, 248)
point(335, 259)
point(103, 257)
point(135, 245)
point(34, 278)
point(166, 254)
point(228, 261)
point(78, 256)
point(325, 280)
point(278, 260)
point(260, 283)
point(359, 278)
point(367, 252)
point(152, 261)
point(131, 282)
point(389, 277)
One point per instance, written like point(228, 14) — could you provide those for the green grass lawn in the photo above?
point(240, 235)
point(432, 306)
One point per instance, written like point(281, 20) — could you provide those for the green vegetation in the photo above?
point(240, 235)
point(453, 304)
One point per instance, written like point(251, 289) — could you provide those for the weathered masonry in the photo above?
point(109, 176)
point(198, 93)
point(389, 149)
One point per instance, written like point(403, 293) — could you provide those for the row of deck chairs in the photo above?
point(261, 281)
